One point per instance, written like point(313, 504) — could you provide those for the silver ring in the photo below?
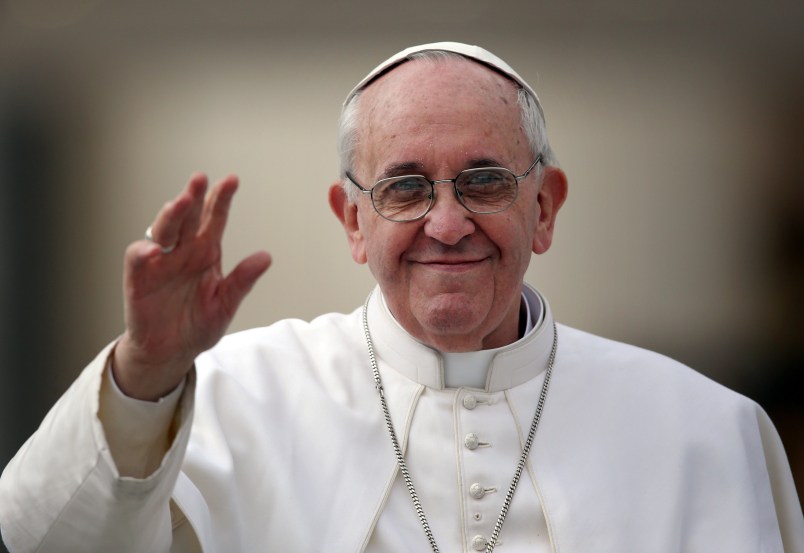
point(149, 236)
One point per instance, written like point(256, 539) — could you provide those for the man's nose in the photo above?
point(448, 221)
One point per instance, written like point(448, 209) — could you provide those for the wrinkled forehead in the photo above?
point(441, 109)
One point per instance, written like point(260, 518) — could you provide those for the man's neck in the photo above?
point(470, 369)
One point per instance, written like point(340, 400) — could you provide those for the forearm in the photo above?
point(138, 433)
point(63, 491)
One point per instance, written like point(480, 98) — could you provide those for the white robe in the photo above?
point(286, 450)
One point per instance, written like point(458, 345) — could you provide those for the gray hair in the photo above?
point(533, 123)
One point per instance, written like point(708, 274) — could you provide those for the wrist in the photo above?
point(146, 379)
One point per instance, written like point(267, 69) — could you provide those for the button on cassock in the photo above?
point(471, 441)
point(477, 491)
point(479, 543)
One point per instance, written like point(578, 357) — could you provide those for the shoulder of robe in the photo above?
point(322, 350)
point(631, 369)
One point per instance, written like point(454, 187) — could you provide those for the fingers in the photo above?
point(178, 220)
point(138, 280)
point(216, 208)
point(195, 213)
point(241, 280)
point(194, 219)
point(196, 189)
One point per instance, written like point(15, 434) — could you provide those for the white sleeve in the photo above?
point(139, 433)
point(785, 498)
point(63, 492)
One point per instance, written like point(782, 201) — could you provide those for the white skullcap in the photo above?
point(474, 52)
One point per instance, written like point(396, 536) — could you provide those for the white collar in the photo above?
point(500, 368)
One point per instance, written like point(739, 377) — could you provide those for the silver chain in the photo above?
point(400, 458)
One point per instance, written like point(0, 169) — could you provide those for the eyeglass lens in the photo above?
point(480, 190)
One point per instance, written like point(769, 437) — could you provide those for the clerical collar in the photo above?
point(469, 369)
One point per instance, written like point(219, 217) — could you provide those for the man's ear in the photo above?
point(551, 197)
point(346, 212)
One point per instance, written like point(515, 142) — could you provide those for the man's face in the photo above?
point(453, 278)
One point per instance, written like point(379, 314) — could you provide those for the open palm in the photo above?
point(179, 303)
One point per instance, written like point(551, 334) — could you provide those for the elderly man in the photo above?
point(449, 412)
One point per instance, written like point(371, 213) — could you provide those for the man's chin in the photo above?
point(450, 313)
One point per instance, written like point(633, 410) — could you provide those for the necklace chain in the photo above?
point(400, 458)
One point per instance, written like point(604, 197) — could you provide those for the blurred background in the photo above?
point(680, 126)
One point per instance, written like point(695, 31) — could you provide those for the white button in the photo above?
point(477, 491)
point(479, 543)
point(471, 441)
point(470, 402)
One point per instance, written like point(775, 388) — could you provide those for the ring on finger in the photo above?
point(149, 236)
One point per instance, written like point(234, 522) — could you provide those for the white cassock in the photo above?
point(279, 444)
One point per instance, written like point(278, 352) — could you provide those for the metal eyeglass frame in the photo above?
point(370, 191)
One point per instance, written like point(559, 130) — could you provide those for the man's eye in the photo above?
point(407, 186)
point(482, 178)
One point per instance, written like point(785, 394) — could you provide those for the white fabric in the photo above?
point(62, 491)
point(470, 51)
point(288, 452)
point(469, 369)
point(144, 427)
point(442, 467)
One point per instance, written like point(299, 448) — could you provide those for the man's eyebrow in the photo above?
point(403, 168)
point(416, 168)
point(483, 162)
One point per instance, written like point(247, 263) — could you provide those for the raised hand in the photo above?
point(178, 303)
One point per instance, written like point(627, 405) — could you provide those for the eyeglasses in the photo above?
point(410, 197)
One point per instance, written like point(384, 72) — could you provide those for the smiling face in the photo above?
point(453, 278)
